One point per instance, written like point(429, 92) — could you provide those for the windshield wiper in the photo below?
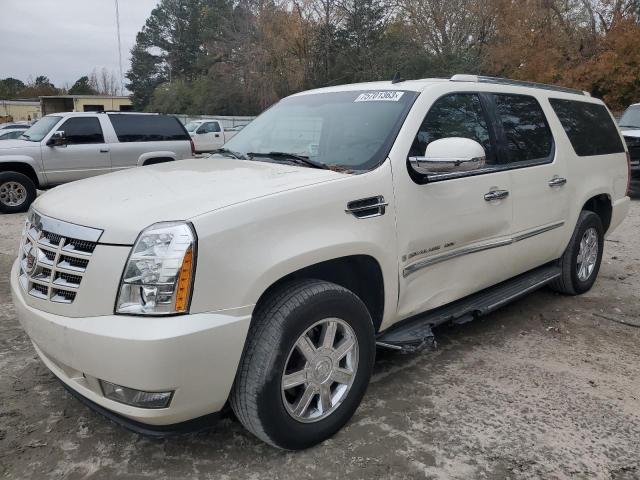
point(300, 159)
point(629, 126)
point(231, 153)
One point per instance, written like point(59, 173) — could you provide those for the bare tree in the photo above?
point(449, 27)
point(105, 82)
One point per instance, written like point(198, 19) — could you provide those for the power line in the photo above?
point(119, 47)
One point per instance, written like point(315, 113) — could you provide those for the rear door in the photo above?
point(86, 154)
point(540, 187)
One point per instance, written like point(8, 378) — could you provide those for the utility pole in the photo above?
point(119, 47)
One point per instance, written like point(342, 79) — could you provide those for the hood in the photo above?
point(630, 132)
point(7, 144)
point(125, 202)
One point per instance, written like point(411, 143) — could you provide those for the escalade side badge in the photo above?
point(367, 207)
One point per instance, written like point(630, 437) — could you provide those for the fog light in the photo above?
point(135, 398)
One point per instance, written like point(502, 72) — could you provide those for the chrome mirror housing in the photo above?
point(450, 155)
point(58, 139)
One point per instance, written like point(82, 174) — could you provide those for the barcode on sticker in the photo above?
point(379, 97)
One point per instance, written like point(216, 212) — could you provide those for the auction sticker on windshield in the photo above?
point(379, 97)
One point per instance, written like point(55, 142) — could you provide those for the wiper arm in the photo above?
point(231, 153)
point(291, 156)
point(629, 126)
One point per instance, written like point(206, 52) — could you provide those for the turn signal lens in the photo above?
point(183, 290)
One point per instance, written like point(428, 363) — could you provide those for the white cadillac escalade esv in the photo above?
point(340, 219)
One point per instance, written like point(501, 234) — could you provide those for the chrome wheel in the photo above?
point(320, 370)
point(587, 254)
point(12, 194)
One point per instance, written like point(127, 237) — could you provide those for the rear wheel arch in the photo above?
point(601, 206)
point(360, 274)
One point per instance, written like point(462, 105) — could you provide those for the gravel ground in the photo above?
point(548, 387)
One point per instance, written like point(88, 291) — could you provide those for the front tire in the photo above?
point(580, 262)
point(17, 192)
point(306, 365)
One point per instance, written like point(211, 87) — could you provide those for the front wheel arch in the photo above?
point(360, 274)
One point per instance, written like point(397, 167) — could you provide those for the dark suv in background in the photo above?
point(630, 126)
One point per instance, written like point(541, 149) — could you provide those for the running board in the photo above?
point(415, 333)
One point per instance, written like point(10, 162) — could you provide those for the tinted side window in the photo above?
point(213, 127)
point(82, 130)
point(456, 115)
point(16, 134)
point(589, 127)
point(147, 128)
point(526, 133)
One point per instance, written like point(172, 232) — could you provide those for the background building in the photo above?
point(19, 110)
point(84, 103)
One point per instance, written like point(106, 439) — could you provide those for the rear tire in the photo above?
point(276, 376)
point(17, 192)
point(580, 262)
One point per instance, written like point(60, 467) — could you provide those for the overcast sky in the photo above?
point(66, 39)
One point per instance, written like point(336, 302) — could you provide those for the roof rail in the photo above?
point(516, 83)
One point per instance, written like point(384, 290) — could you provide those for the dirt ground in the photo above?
point(548, 387)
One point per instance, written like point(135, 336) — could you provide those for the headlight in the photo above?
point(158, 277)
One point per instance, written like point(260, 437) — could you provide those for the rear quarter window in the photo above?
point(589, 126)
point(148, 128)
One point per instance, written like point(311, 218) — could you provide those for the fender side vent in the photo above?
point(367, 207)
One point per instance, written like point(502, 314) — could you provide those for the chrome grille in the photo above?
point(54, 257)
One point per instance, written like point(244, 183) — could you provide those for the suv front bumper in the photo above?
point(196, 356)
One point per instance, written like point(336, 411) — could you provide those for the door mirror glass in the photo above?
point(450, 155)
point(58, 139)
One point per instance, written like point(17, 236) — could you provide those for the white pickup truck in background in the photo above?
point(209, 135)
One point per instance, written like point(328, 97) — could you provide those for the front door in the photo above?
point(453, 238)
point(86, 154)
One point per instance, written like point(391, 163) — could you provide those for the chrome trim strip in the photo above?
point(427, 262)
point(367, 207)
point(538, 231)
point(455, 254)
point(65, 229)
point(380, 206)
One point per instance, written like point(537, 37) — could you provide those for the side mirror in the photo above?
point(450, 155)
point(201, 130)
point(58, 139)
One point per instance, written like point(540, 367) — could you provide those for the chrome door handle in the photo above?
point(496, 195)
point(557, 182)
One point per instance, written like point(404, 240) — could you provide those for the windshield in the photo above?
point(631, 117)
point(192, 126)
point(40, 129)
point(351, 130)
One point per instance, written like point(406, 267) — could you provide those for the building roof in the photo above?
point(122, 97)
point(20, 101)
